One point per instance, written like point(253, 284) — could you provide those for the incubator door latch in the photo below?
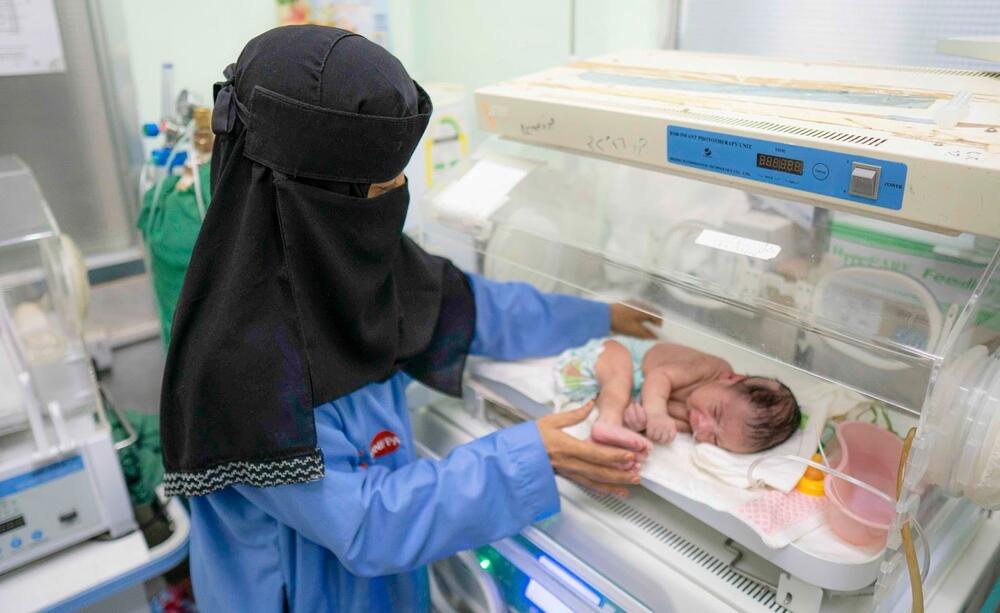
point(798, 596)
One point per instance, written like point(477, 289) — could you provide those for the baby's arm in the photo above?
point(655, 395)
point(679, 411)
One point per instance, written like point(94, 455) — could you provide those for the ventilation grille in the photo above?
point(762, 593)
point(954, 72)
point(769, 126)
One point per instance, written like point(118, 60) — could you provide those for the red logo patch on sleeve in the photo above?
point(384, 443)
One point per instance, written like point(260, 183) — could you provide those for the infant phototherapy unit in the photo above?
point(60, 480)
point(835, 226)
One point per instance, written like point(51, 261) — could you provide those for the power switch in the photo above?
point(864, 180)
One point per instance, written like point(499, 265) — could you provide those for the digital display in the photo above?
point(11, 524)
point(774, 162)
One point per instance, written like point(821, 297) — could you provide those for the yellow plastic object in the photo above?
point(811, 483)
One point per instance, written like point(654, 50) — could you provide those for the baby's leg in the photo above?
point(614, 377)
point(655, 394)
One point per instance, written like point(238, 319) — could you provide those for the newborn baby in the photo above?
point(679, 389)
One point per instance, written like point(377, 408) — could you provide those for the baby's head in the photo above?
point(743, 414)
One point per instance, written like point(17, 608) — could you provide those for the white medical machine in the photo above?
point(827, 224)
point(60, 481)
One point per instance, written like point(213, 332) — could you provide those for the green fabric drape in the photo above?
point(142, 463)
point(170, 227)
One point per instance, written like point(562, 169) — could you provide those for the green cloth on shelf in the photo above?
point(142, 463)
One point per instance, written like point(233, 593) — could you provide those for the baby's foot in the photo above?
point(620, 436)
point(660, 428)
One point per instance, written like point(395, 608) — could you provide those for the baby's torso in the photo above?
point(689, 368)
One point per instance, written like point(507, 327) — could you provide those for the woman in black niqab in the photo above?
point(300, 289)
point(305, 313)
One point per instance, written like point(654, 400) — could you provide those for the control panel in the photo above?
point(43, 508)
point(864, 180)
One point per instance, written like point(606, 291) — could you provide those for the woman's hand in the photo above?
point(592, 465)
point(629, 320)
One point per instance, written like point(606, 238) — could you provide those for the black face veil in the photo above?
point(300, 289)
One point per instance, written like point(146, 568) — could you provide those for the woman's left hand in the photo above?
point(629, 320)
point(602, 468)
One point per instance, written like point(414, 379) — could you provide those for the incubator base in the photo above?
point(806, 565)
point(647, 553)
point(812, 559)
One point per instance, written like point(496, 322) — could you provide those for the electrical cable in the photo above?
point(916, 584)
point(188, 133)
point(196, 171)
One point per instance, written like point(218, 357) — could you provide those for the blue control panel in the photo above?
point(863, 180)
point(40, 476)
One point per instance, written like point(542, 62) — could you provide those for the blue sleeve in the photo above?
point(379, 521)
point(515, 321)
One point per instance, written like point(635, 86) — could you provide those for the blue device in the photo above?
point(859, 179)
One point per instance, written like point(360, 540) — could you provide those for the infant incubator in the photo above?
point(827, 225)
point(60, 480)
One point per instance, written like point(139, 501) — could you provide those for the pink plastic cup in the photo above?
point(869, 454)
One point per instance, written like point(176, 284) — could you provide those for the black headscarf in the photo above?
point(301, 289)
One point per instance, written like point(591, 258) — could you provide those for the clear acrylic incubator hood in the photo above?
point(840, 221)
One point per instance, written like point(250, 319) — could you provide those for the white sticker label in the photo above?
point(737, 244)
point(481, 191)
point(29, 38)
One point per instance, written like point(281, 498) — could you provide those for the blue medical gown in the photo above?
point(359, 539)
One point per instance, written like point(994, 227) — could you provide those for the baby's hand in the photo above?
point(635, 417)
point(660, 428)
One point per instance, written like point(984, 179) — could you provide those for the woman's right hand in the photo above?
point(592, 465)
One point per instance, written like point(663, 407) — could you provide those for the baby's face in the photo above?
point(718, 414)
